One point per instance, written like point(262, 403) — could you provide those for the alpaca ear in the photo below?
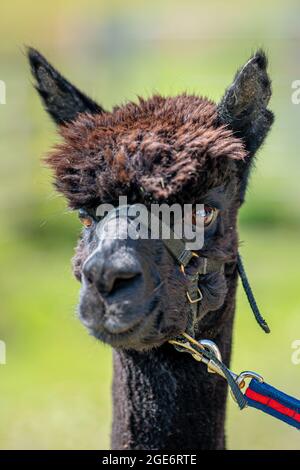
point(62, 100)
point(244, 109)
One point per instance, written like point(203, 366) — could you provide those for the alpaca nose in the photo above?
point(110, 275)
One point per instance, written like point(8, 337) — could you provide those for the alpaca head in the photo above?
point(182, 150)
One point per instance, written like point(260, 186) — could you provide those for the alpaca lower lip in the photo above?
point(112, 328)
point(116, 326)
point(129, 338)
point(122, 339)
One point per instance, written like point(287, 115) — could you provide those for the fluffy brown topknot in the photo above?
point(165, 149)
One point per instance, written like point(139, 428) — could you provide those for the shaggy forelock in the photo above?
point(161, 148)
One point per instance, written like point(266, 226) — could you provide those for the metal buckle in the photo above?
point(240, 379)
point(194, 255)
point(195, 300)
point(200, 295)
point(189, 346)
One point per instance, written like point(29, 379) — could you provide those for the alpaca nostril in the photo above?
point(110, 277)
point(123, 280)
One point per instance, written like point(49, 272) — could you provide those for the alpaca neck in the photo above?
point(164, 399)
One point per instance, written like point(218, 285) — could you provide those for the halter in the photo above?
point(259, 394)
point(205, 265)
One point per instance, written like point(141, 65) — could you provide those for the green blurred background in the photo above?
point(55, 387)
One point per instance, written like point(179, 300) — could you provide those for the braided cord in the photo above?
point(248, 291)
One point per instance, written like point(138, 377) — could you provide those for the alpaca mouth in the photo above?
point(125, 339)
point(127, 331)
point(132, 338)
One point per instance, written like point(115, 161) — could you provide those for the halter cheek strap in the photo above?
point(204, 266)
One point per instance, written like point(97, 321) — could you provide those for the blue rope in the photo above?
point(268, 399)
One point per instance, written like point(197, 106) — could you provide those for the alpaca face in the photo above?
point(133, 293)
point(182, 150)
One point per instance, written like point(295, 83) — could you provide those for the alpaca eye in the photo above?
point(85, 218)
point(208, 215)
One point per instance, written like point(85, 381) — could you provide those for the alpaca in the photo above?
point(183, 149)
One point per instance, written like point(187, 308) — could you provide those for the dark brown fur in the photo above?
point(170, 149)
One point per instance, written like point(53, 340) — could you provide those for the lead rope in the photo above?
point(259, 394)
point(211, 356)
